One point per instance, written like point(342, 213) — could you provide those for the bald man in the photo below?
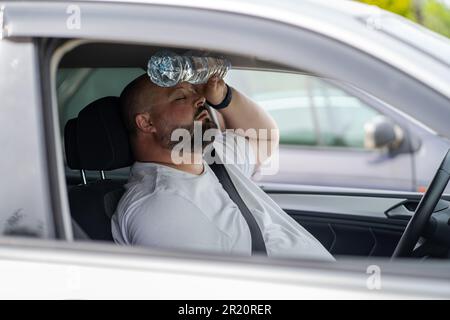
point(176, 205)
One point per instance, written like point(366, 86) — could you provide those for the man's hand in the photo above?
point(215, 90)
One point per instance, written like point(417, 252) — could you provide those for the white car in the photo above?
point(55, 245)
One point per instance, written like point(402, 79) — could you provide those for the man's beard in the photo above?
point(207, 124)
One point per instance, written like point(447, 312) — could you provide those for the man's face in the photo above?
point(177, 108)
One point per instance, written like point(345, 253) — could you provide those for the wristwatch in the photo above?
point(226, 101)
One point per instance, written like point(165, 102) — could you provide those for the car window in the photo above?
point(286, 97)
point(309, 110)
point(77, 87)
point(341, 117)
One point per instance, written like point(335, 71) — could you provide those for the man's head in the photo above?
point(151, 113)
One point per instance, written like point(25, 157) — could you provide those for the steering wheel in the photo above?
point(419, 220)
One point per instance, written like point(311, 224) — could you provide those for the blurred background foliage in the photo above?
point(433, 14)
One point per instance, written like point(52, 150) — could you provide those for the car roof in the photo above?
point(357, 25)
point(346, 14)
point(344, 7)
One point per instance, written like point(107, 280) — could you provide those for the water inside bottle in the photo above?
point(167, 69)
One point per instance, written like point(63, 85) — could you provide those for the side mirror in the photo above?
point(381, 132)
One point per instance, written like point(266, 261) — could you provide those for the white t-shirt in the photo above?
point(167, 208)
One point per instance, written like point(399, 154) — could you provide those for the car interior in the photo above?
point(348, 223)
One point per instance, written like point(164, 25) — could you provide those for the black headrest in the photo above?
point(70, 144)
point(102, 138)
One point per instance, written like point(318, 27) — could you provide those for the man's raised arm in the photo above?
point(245, 114)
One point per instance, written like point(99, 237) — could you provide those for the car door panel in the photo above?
point(347, 225)
point(351, 236)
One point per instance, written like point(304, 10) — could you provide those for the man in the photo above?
point(181, 205)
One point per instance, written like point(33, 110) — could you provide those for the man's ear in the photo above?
point(144, 122)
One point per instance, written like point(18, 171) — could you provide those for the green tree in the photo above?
point(436, 16)
point(404, 8)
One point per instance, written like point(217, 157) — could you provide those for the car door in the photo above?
point(322, 133)
point(44, 166)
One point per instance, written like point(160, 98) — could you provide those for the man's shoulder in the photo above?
point(168, 212)
point(149, 180)
point(162, 196)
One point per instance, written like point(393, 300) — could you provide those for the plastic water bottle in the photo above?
point(167, 69)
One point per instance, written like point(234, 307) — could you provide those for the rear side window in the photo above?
point(77, 87)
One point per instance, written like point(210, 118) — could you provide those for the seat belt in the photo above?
point(258, 245)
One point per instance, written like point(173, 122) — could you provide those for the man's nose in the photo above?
point(200, 101)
